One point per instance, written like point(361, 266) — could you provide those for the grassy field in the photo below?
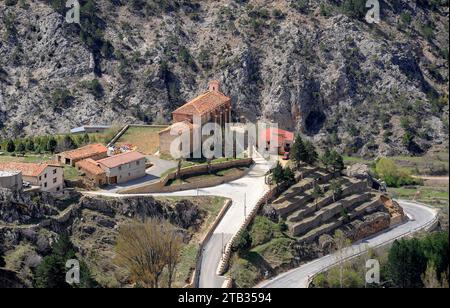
point(432, 195)
point(29, 158)
point(146, 139)
point(435, 163)
point(198, 178)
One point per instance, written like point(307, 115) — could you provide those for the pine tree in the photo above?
point(51, 273)
point(86, 139)
point(51, 145)
point(310, 155)
point(10, 146)
point(317, 192)
point(406, 264)
point(298, 151)
point(30, 145)
point(289, 175)
point(20, 148)
point(336, 189)
point(326, 159)
point(278, 174)
point(337, 161)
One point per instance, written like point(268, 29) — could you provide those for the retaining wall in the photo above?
point(161, 185)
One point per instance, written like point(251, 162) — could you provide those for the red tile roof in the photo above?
point(27, 169)
point(120, 159)
point(86, 151)
point(277, 134)
point(204, 103)
point(180, 126)
point(91, 166)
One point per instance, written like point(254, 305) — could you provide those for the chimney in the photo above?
point(214, 86)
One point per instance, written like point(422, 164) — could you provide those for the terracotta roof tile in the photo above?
point(120, 159)
point(27, 169)
point(180, 126)
point(278, 134)
point(203, 103)
point(91, 166)
point(86, 151)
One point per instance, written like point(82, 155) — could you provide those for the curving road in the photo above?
point(420, 217)
point(244, 193)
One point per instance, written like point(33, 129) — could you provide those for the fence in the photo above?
point(224, 262)
point(196, 274)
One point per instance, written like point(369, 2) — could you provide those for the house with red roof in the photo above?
point(211, 107)
point(277, 140)
point(123, 167)
point(94, 151)
point(48, 176)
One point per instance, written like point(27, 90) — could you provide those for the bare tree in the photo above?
point(142, 248)
point(173, 252)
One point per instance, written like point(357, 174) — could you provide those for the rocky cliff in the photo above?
point(312, 66)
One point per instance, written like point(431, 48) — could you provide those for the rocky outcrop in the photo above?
point(335, 78)
point(369, 225)
point(19, 207)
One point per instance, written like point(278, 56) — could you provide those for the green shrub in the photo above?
point(390, 173)
point(262, 230)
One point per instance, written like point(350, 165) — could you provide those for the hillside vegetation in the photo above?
point(312, 66)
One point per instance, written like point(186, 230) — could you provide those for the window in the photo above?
point(54, 180)
point(54, 171)
point(138, 163)
point(58, 188)
point(45, 175)
point(40, 178)
point(45, 184)
point(120, 167)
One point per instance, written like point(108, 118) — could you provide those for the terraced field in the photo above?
point(308, 218)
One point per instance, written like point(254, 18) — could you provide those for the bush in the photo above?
point(61, 97)
point(51, 273)
point(390, 173)
point(262, 230)
point(243, 241)
point(94, 87)
point(354, 8)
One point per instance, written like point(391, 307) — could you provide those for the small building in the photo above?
point(284, 139)
point(93, 174)
point(49, 177)
point(11, 180)
point(94, 151)
point(92, 129)
point(123, 167)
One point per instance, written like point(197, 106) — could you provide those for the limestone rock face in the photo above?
point(334, 78)
point(18, 207)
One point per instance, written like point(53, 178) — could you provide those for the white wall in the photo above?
point(51, 181)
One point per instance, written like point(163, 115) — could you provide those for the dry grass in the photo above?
point(146, 139)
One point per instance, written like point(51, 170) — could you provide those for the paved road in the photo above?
point(419, 217)
point(245, 193)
